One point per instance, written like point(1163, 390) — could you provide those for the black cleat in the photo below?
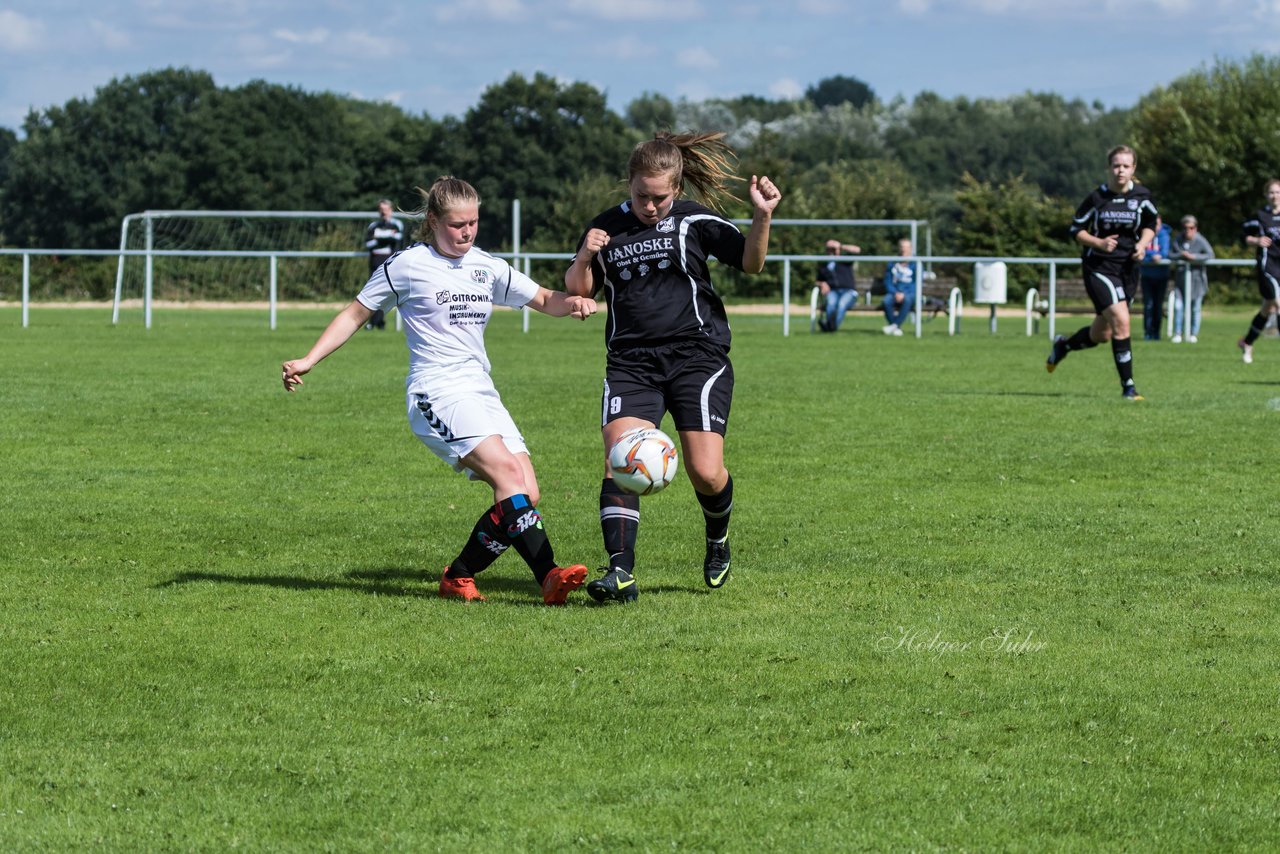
point(616, 585)
point(715, 567)
point(1057, 354)
point(1131, 393)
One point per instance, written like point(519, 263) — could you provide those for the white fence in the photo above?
point(1034, 306)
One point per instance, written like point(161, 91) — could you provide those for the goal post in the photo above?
point(239, 256)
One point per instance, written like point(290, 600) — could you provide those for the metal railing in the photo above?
point(1047, 308)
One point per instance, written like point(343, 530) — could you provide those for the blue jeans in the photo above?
point(838, 302)
point(1196, 302)
point(897, 313)
point(1153, 291)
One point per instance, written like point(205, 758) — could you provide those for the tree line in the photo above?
point(993, 176)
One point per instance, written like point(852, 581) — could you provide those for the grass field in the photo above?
point(974, 606)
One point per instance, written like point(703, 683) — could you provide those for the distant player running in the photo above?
point(667, 334)
point(445, 289)
point(1115, 224)
point(1263, 231)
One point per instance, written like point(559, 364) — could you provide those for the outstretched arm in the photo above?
point(764, 198)
point(339, 330)
point(560, 304)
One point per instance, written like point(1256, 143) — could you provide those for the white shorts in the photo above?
point(452, 425)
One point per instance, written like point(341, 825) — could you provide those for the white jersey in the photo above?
point(445, 304)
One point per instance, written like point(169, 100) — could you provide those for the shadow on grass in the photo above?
point(385, 582)
point(1257, 382)
point(374, 583)
point(1007, 393)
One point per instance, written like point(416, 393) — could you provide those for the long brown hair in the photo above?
point(698, 160)
point(446, 194)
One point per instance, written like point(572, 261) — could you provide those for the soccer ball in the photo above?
point(643, 461)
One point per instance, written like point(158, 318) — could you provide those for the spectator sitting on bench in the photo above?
point(836, 282)
point(899, 289)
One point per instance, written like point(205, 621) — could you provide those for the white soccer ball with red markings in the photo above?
point(643, 461)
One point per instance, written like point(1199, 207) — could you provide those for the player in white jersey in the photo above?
point(445, 289)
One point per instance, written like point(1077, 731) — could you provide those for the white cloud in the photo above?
point(637, 10)
point(257, 52)
point(319, 35)
point(110, 37)
point(363, 45)
point(914, 7)
point(822, 7)
point(19, 33)
point(490, 10)
point(698, 58)
point(786, 88)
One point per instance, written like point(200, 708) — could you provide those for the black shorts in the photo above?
point(1109, 285)
point(691, 380)
point(1269, 280)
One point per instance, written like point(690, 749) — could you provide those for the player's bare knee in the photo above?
point(708, 479)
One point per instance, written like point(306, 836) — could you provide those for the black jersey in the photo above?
point(656, 279)
point(1265, 223)
point(1105, 213)
point(383, 237)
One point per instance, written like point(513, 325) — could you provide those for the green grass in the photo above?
point(974, 606)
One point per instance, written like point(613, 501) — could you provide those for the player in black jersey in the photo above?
point(1115, 224)
point(382, 239)
point(667, 334)
point(1263, 231)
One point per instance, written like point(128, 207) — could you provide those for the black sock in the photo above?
point(485, 545)
point(1121, 352)
point(619, 523)
point(716, 509)
point(1081, 340)
point(1256, 327)
point(522, 525)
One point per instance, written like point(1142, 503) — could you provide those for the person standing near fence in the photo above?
point(837, 284)
point(1114, 224)
point(1189, 250)
point(1155, 282)
point(899, 289)
point(445, 289)
point(382, 239)
point(667, 335)
point(1262, 230)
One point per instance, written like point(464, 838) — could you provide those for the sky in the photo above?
point(438, 58)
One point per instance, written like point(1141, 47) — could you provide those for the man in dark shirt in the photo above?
point(835, 280)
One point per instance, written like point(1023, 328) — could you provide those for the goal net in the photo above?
point(227, 256)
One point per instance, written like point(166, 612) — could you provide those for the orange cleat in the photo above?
point(561, 581)
point(459, 588)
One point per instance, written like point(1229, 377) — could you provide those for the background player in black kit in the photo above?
point(667, 334)
point(383, 238)
point(1263, 231)
point(1115, 224)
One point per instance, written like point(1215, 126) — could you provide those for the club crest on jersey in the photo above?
point(668, 224)
point(480, 277)
point(1133, 204)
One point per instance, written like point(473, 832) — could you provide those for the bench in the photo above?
point(935, 300)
